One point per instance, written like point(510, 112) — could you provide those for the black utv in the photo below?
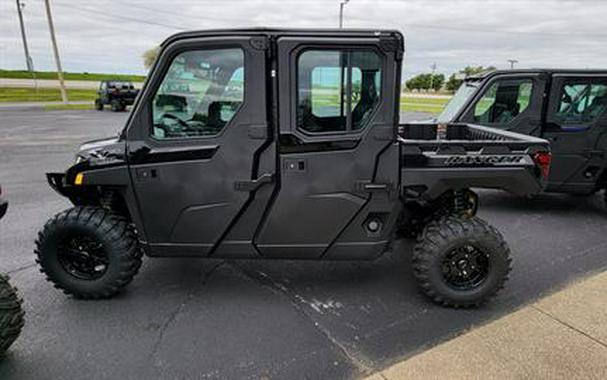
point(566, 107)
point(11, 313)
point(117, 93)
point(285, 144)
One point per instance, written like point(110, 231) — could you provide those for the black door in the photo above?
point(512, 102)
point(576, 127)
point(198, 142)
point(337, 161)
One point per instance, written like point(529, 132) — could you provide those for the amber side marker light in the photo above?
point(79, 180)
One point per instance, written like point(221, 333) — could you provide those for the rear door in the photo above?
point(196, 144)
point(575, 124)
point(337, 101)
point(511, 102)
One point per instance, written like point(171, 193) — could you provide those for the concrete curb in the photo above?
point(562, 336)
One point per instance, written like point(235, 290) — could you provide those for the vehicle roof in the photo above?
point(537, 71)
point(276, 32)
point(116, 80)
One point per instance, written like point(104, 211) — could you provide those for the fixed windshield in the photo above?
point(458, 101)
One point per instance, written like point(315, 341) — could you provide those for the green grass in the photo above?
point(22, 74)
point(61, 107)
point(17, 94)
point(14, 94)
point(415, 104)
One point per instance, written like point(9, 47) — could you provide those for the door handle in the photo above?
point(254, 184)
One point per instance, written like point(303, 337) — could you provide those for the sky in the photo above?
point(111, 35)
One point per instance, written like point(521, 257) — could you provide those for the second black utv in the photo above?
point(117, 93)
point(285, 144)
point(566, 107)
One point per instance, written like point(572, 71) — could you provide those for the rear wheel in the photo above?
point(88, 252)
point(11, 314)
point(98, 105)
point(461, 262)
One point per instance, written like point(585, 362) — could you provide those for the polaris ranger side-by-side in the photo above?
point(566, 107)
point(269, 144)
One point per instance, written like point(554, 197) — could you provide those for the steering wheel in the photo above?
point(173, 117)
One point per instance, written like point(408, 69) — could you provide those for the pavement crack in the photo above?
point(21, 268)
point(553, 317)
point(178, 310)
point(363, 364)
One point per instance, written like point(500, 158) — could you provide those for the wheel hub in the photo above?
point(84, 257)
point(465, 267)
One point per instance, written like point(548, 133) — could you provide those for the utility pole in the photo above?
point(433, 67)
point(28, 59)
point(51, 29)
point(342, 3)
point(512, 62)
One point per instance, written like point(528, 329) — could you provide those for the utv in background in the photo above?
point(285, 144)
point(566, 107)
point(117, 93)
point(11, 313)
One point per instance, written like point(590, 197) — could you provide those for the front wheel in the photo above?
point(11, 314)
point(98, 105)
point(88, 252)
point(461, 262)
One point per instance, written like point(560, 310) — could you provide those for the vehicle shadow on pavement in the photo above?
point(551, 203)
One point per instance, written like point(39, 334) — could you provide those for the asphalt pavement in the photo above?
point(189, 318)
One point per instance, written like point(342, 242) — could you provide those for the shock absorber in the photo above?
point(465, 202)
point(459, 202)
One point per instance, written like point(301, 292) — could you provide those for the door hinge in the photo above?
point(260, 43)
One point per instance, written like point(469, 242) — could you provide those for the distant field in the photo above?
point(416, 104)
point(18, 94)
point(22, 74)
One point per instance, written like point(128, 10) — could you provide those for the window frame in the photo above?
point(471, 110)
point(162, 75)
point(340, 49)
point(581, 126)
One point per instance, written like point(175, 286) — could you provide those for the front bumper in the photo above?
point(58, 182)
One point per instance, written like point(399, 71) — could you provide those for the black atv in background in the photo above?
point(11, 314)
point(566, 107)
point(117, 93)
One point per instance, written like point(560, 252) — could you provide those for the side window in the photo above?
point(580, 103)
point(337, 91)
point(199, 95)
point(503, 101)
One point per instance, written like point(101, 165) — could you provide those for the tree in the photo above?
point(453, 83)
point(426, 82)
point(438, 81)
point(455, 79)
point(149, 56)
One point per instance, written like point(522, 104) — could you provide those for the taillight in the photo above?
point(542, 160)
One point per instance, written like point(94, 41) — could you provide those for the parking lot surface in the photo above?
point(189, 318)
